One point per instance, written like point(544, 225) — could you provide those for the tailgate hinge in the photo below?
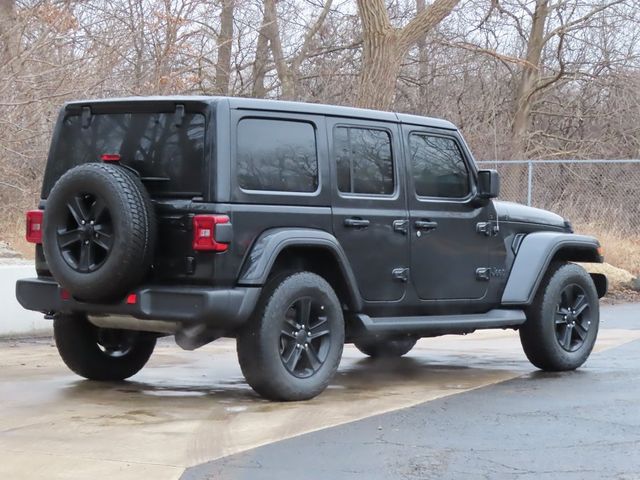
point(488, 228)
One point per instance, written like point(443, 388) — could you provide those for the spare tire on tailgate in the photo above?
point(99, 231)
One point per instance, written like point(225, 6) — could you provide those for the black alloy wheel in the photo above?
point(305, 337)
point(291, 346)
point(563, 319)
point(572, 318)
point(86, 237)
point(116, 343)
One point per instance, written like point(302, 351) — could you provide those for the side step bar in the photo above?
point(439, 324)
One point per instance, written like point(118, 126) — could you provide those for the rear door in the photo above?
point(449, 256)
point(369, 205)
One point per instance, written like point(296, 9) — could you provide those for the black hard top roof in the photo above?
point(275, 105)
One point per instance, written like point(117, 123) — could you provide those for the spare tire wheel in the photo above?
point(99, 231)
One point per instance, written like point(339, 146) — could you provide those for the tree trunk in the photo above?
point(423, 68)
point(287, 81)
point(8, 38)
point(381, 64)
point(529, 79)
point(385, 47)
point(225, 41)
point(260, 63)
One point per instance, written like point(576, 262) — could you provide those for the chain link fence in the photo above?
point(605, 193)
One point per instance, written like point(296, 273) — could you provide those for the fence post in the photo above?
point(529, 181)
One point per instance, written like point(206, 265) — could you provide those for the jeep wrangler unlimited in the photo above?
point(293, 228)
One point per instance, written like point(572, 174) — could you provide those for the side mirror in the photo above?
point(488, 183)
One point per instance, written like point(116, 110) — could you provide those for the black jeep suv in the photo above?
point(293, 228)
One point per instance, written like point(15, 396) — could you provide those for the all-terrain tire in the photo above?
point(554, 338)
point(271, 350)
point(129, 213)
point(386, 348)
point(101, 354)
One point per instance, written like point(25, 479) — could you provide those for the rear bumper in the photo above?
point(219, 308)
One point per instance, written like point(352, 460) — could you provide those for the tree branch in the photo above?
point(569, 26)
point(425, 21)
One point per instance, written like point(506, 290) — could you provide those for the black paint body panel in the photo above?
point(474, 255)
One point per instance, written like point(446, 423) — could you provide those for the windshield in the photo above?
point(167, 150)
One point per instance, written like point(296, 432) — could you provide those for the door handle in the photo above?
point(356, 222)
point(401, 226)
point(425, 225)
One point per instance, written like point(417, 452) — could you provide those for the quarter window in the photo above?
point(364, 161)
point(438, 167)
point(277, 155)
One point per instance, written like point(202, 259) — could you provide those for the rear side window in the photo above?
point(438, 167)
point(363, 159)
point(277, 155)
point(168, 154)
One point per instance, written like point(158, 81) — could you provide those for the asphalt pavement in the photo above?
point(576, 425)
point(455, 407)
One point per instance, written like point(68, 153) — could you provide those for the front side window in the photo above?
point(438, 167)
point(364, 161)
point(277, 155)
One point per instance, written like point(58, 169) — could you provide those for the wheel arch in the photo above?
point(537, 252)
point(302, 249)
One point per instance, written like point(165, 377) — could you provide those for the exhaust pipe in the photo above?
point(123, 322)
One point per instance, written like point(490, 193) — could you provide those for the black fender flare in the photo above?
point(534, 256)
point(265, 250)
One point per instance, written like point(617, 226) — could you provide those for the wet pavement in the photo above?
point(193, 409)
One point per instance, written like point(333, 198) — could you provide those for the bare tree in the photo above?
point(288, 69)
point(532, 78)
point(260, 63)
point(385, 47)
point(225, 40)
point(8, 37)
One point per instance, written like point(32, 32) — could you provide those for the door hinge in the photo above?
point(487, 228)
point(401, 226)
point(483, 273)
point(401, 274)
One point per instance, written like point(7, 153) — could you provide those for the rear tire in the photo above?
point(386, 348)
point(292, 345)
point(563, 320)
point(100, 353)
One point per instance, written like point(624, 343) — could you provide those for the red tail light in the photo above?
point(204, 233)
point(34, 226)
point(110, 157)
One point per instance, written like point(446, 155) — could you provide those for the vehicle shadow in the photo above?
point(355, 378)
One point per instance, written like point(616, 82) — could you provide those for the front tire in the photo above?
point(100, 353)
point(292, 345)
point(563, 320)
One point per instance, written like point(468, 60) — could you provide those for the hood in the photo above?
point(514, 212)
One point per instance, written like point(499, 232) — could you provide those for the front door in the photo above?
point(449, 249)
point(369, 211)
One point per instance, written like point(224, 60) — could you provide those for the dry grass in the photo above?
point(12, 230)
point(620, 250)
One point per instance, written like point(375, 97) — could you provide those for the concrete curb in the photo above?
point(15, 321)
